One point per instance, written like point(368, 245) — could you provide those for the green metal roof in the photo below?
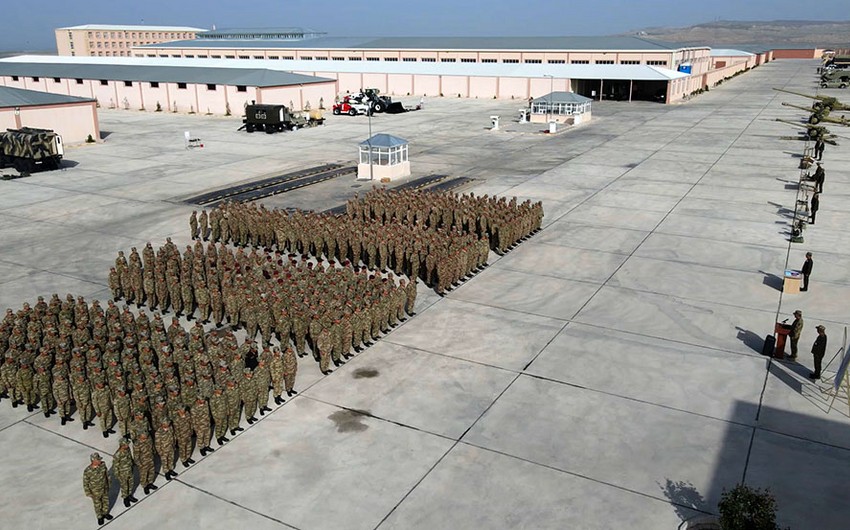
point(439, 43)
point(255, 77)
point(384, 140)
point(563, 97)
point(18, 97)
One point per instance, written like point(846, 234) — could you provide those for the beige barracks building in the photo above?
point(132, 84)
point(621, 68)
point(107, 40)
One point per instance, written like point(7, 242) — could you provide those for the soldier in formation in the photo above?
point(96, 487)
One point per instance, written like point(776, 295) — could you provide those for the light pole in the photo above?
point(369, 141)
point(551, 91)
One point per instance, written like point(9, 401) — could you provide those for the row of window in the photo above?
point(141, 35)
point(111, 54)
point(153, 84)
point(415, 59)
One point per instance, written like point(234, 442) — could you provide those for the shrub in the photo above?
point(746, 508)
point(89, 139)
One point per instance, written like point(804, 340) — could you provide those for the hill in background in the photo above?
point(775, 33)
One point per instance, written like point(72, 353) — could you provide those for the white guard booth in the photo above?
point(383, 157)
point(561, 107)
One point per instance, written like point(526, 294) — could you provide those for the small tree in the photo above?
point(746, 508)
point(321, 103)
point(158, 107)
point(227, 109)
point(89, 139)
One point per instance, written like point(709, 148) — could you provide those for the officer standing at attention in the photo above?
point(818, 351)
point(96, 486)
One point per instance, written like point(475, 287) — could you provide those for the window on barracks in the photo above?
point(656, 63)
point(391, 59)
point(210, 86)
point(630, 62)
point(79, 81)
point(354, 58)
point(468, 60)
point(154, 84)
point(533, 61)
point(35, 79)
point(57, 80)
point(429, 60)
point(448, 60)
point(338, 58)
point(556, 61)
point(488, 60)
point(373, 58)
point(181, 86)
point(579, 61)
point(604, 61)
point(409, 59)
point(104, 82)
point(128, 83)
point(259, 57)
point(241, 88)
point(14, 78)
point(511, 61)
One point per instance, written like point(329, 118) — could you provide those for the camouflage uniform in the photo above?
point(96, 487)
point(164, 442)
point(248, 391)
point(183, 432)
point(276, 375)
point(143, 456)
point(122, 467)
point(219, 409)
point(201, 425)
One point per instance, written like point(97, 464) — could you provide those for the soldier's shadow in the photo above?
point(114, 488)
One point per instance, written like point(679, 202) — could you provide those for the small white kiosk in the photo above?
point(388, 160)
point(562, 107)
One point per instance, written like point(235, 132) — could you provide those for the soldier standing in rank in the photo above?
point(183, 431)
point(164, 442)
point(276, 374)
point(201, 425)
point(143, 456)
point(122, 466)
point(218, 406)
point(203, 225)
point(62, 393)
point(193, 225)
point(96, 487)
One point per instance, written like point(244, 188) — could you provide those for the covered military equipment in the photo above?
point(277, 118)
point(29, 150)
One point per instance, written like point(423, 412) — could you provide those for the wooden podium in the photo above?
point(782, 331)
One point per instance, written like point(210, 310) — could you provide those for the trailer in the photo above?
point(29, 150)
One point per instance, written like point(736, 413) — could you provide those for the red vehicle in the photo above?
point(347, 106)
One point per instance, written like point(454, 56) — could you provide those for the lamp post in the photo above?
point(369, 141)
point(551, 91)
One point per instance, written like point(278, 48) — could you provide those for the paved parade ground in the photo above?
point(604, 374)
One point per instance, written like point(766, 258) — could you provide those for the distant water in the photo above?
point(12, 53)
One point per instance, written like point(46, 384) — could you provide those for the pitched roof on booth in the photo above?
point(563, 97)
point(384, 140)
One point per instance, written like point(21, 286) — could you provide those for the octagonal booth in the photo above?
point(563, 107)
point(388, 160)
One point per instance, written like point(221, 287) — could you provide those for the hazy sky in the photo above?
point(29, 25)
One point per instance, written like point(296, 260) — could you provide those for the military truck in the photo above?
point(835, 83)
point(29, 150)
point(277, 118)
